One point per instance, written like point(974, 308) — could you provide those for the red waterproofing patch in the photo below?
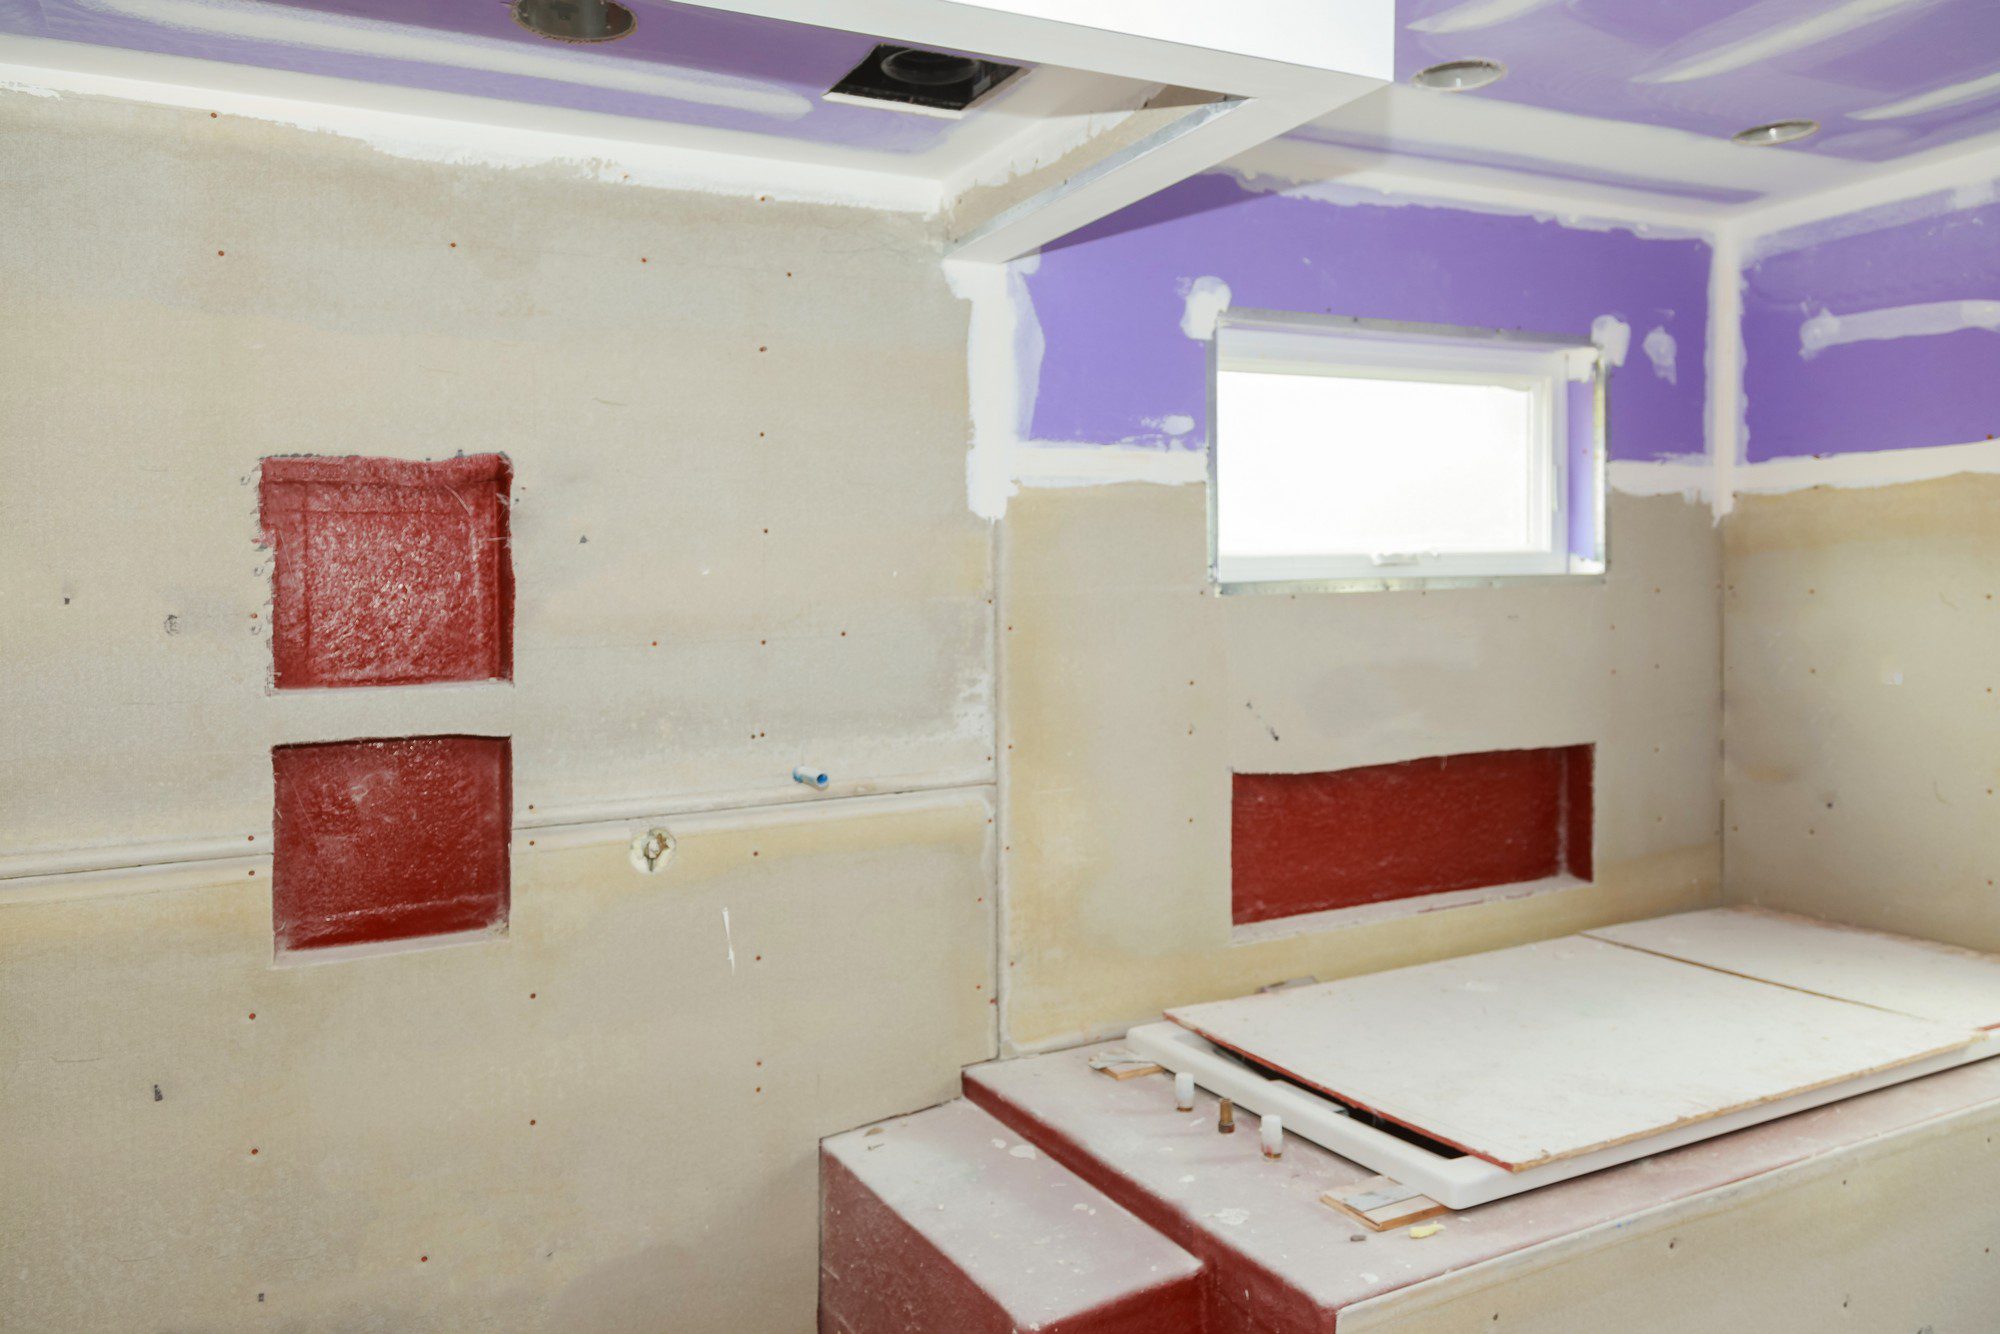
point(1304, 843)
point(388, 839)
point(388, 571)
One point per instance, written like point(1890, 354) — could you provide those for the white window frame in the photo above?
point(1275, 342)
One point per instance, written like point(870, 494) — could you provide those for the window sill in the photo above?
point(1402, 584)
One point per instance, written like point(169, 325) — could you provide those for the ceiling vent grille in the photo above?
point(909, 78)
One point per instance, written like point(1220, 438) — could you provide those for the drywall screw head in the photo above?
point(652, 850)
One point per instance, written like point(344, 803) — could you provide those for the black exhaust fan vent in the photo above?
point(909, 76)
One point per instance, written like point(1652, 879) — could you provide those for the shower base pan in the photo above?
point(1476, 1078)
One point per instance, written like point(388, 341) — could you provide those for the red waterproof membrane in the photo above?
point(1305, 843)
point(388, 839)
point(389, 572)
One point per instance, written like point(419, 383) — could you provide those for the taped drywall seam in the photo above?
point(1689, 476)
point(1935, 99)
point(1884, 467)
point(1924, 319)
point(1726, 436)
point(998, 384)
point(1815, 29)
point(1003, 812)
point(458, 130)
point(312, 30)
point(1472, 15)
point(550, 824)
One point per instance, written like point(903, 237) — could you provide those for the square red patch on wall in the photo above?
point(1303, 843)
point(389, 839)
point(389, 571)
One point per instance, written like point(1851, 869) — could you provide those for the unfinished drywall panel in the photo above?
point(1863, 706)
point(1130, 692)
point(1895, 1233)
point(736, 428)
point(606, 1120)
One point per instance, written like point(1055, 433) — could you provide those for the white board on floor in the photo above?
point(1541, 1052)
point(1900, 973)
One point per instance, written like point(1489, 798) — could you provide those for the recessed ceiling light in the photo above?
point(1460, 76)
point(574, 20)
point(1777, 132)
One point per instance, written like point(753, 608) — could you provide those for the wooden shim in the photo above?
point(1380, 1203)
point(1121, 1064)
point(1133, 1071)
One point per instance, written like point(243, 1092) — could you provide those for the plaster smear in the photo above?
point(1660, 349)
point(1613, 337)
point(1206, 299)
point(1826, 329)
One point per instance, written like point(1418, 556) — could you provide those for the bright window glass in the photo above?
point(1357, 454)
point(1341, 464)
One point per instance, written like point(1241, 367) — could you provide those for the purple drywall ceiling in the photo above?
point(684, 64)
point(1877, 331)
point(1117, 365)
point(1718, 66)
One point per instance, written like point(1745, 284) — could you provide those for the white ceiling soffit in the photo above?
point(1275, 63)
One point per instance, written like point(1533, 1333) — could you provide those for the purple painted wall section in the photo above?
point(764, 76)
point(1110, 300)
point(1718, 66)
point(1875, 393)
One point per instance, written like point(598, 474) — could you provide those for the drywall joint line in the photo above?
point(1002, 774)
point(1726, 436)
point(226, 851)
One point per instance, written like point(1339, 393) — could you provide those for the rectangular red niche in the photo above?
point(389, 839)
point(1304, 843)
point(389, 571)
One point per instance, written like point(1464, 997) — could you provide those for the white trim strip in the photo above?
point(461, 130)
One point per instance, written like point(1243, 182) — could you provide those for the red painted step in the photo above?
point(947, 1222)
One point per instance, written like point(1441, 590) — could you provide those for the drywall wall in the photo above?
point(1860, 613)
point(736, 431)
point(605, 1120)
point(1130, 691)
point(739, 541)
point(1863, 705)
